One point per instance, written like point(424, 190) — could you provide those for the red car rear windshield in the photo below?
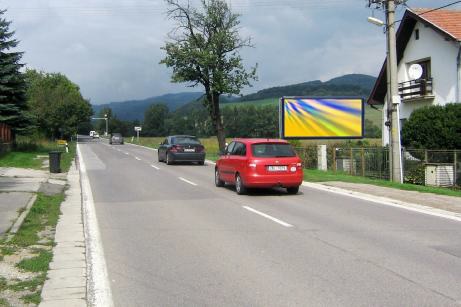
point(272, 150)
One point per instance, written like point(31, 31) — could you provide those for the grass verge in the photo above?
point(29, 252)
point(324, 176)
point(44, 213)
point(25, 156)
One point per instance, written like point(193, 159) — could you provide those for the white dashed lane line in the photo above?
point(137, 158)
point(157, 168)
point(268, 217)
point(187, 181)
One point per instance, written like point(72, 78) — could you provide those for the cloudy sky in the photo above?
point(111, 48)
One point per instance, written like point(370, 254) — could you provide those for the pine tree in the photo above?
point(12, 84)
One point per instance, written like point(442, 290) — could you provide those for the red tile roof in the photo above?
point(448, 21)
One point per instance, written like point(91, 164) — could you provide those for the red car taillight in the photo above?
point(175, 148)
point(200, 149)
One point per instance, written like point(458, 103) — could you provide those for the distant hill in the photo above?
point(347, 85)
point(134, 109)
point(184, 103)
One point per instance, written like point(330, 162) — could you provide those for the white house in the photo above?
point(431, 39)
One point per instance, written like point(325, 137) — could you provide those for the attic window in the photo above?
point(417, 34)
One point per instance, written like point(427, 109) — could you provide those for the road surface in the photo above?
point(171, 238)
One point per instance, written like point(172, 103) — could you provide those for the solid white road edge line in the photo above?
point(388, 202)
point(98, 292)
point(268, 217)
point(189, 182)
point(157, 168)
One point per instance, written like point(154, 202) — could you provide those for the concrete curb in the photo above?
point(14, 229)
point(66, 278)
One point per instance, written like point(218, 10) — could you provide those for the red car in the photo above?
point(259, 163)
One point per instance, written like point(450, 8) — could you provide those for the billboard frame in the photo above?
point(282, 119)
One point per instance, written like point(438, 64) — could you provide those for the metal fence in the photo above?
point(420, 166)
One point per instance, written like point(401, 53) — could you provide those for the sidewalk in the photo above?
point(17, 187)
point(66, 278)
point(442, 202)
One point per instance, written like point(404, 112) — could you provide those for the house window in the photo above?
point(417, 34)
point(420, 87)
point(426, 65)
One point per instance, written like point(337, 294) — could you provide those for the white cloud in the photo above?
point(111, 49)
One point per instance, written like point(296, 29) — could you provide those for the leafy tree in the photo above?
point(434, 127)
point(13, 107)
point(154, 120)
point(56, 103)
point(204, 49)
point(371, 130)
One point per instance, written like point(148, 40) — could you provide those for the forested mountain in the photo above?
point(347, 85)
point(185, 103)
point(134, 109)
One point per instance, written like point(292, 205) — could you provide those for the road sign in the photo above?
point(137, 128)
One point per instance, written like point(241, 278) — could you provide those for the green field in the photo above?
point(211, 143)
point(31, 153)
point(370, 113)
point(258, 103)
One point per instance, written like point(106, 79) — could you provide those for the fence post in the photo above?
point(455, 164)
point(322, 157)
point(425, 156)
point(362, 154)
point(334, 159)
point(351, 164)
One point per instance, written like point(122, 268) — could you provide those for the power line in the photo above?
point(156, 8)
point(438, 8)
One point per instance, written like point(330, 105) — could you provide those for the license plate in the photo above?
point(277, 168)
point(189, 150)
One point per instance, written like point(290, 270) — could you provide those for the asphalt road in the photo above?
point(171, 238)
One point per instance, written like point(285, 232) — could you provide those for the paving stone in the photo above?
point(49, 294)
point(69, 250)
point(66, 282)
point(63, 264)
point(69, 257)
point(66, 303)
point(60, 273)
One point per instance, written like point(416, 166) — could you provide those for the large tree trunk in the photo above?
point(215, 113)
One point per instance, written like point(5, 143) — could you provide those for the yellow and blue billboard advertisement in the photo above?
point(321, 118)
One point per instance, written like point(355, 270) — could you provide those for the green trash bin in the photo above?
point(55, 161)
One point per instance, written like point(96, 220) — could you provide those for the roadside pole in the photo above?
point(137, 129)
point(393, 94)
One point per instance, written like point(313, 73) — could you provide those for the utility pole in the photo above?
point(393, 97)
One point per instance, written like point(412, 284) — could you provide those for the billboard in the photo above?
point(321, 118)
